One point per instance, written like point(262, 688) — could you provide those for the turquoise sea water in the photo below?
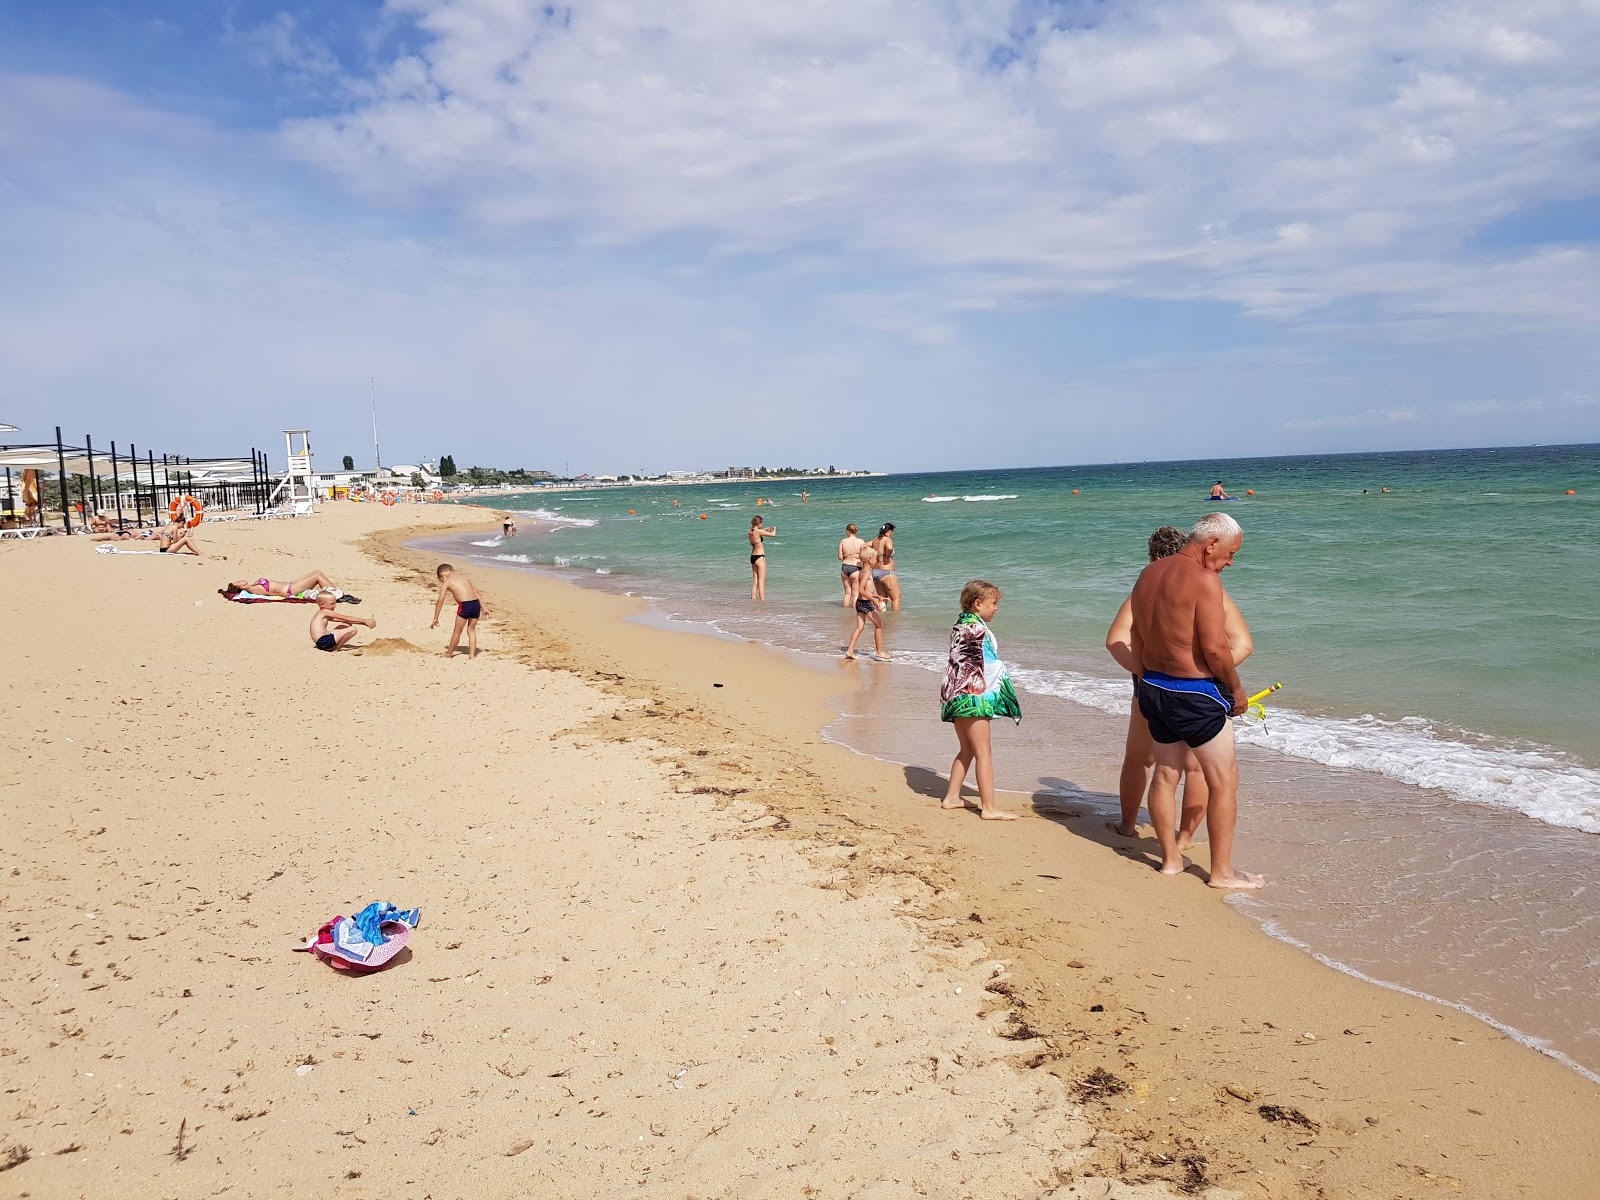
point(1425, 797)
point(1443, 633)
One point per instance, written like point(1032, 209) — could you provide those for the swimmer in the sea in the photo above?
point(758, 556)
point(884, 574)
point(850, 562)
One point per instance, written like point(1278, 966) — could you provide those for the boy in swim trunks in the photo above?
point(469, 607)
point(867, 604)
point(332, 630)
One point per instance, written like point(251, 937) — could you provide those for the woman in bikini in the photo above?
point(306, 585)
point(850, 562)
point(883, 574)
point(758, 557)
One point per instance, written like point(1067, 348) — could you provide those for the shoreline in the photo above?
point(1482, 953)
point(1412, 1047)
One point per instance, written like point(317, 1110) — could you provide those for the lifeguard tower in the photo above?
point(295, 487)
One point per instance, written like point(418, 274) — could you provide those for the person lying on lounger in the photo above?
point(303, 588)
point(331, 630)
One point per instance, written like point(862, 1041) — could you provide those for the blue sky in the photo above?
point(896, 233)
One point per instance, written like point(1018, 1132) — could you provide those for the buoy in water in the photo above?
point(703, 516)
point(1571, 492)
point(1249, 491)
point(1074, 491)
point(631, 513)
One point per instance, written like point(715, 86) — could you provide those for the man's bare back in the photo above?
point(1180, 622)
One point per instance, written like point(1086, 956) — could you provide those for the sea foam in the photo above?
point(1542, 783)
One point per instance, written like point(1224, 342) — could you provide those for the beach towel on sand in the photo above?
point(252, 598)
point(366, 941)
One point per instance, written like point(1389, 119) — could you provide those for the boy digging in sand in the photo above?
point(330, 630)
point(469, 607)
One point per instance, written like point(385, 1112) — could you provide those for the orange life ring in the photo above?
point(188, 510)
point(388, 498)
point(437, 494)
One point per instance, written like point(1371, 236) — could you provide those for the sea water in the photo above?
point(1426, 791)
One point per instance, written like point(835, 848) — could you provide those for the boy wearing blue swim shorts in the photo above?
point(469, 607)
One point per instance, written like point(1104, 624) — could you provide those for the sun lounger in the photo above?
point(23, 535)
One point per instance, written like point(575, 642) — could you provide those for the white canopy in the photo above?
point(43, 458)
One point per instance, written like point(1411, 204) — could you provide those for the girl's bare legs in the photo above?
point(987, 809)
point(959, 765)
point(315, 579)
point(758, 578)
point(891, 585)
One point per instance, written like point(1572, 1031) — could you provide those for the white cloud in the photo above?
point(1275, 156)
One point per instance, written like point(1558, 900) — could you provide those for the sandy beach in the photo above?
point(672, 940)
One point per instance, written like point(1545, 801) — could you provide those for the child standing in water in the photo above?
point(867, 606)
point(977, 688)
point(469, 607)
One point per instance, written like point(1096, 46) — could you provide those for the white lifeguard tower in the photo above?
point(295, 487)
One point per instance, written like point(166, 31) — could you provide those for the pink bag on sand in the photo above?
point(340, 944)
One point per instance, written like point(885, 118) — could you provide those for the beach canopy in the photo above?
point(78, 462)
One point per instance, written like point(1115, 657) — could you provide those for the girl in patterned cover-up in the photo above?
point(976, 689)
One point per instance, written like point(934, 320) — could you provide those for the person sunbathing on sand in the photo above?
point(332, 630)
point(1188, 688)
point(1139, 754)
point(175, 538)
point(299, 589)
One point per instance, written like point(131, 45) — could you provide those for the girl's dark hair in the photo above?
point(888, 527)
point(978, 589)
point(1166, 541)
point(229, 592)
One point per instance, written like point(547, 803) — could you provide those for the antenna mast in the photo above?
point(377, 455)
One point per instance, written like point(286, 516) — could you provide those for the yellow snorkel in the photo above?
point(1254, 705)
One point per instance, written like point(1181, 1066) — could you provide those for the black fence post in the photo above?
point(133, 462)
point(94, 480)
point(116, 485)
point(66, 500)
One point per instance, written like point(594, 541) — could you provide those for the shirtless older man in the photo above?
point(1188, 688)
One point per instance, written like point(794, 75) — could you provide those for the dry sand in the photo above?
point(672, 941)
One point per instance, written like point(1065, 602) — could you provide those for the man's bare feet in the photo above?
point(998, 814)
point(1183, 865)
point(1239, 881)
point(947, 802)
point(1185, 840)
point(1121, 830)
